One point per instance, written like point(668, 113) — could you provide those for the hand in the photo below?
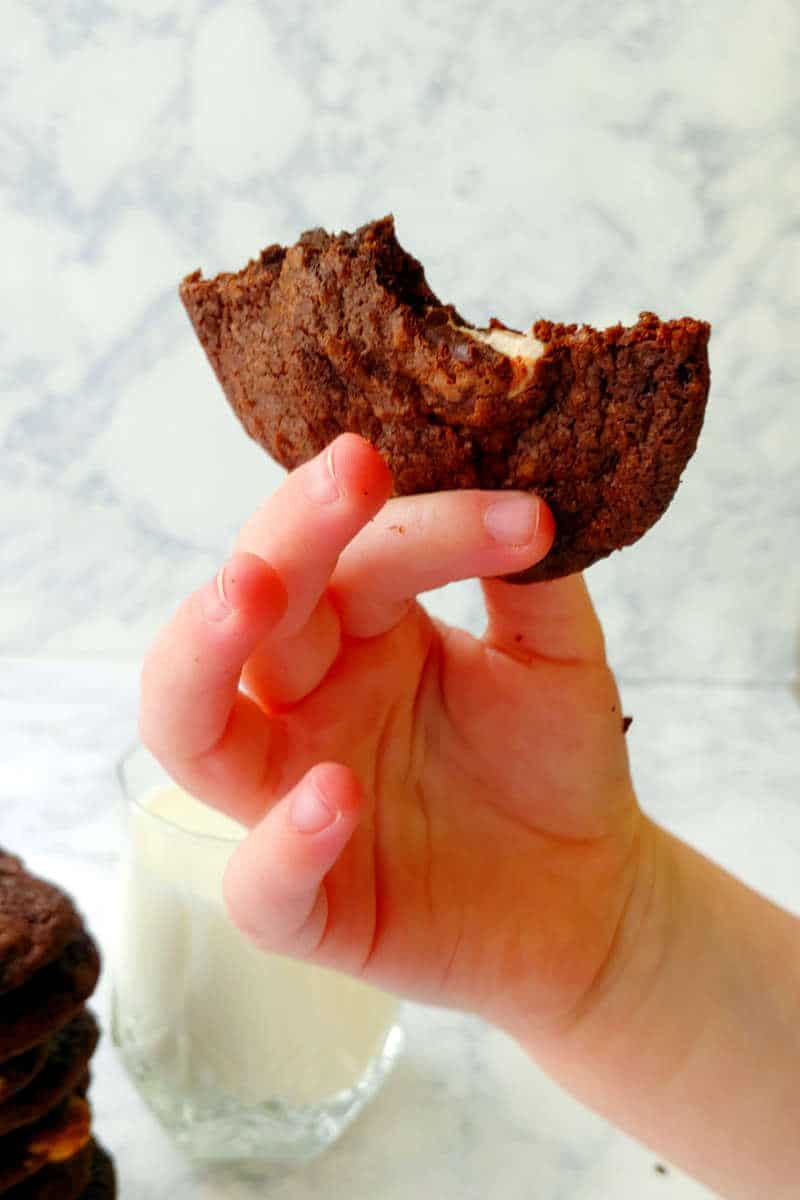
point(451, 818)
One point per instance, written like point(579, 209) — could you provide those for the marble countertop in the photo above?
point(465, 1114)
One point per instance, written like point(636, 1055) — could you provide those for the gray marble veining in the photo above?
point(569, 160)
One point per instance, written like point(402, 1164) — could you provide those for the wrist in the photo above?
point(633, 971)
point(687, 1038)
point(647, 917)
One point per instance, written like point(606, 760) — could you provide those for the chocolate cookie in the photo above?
point(50, 999)
point(16, 1073)
point(103, 1182)
point(59, 1136)
point(64, 1072)
point(37, 921)
point(344, 333)
point(67, 1180)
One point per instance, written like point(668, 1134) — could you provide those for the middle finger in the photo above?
point(418, 543)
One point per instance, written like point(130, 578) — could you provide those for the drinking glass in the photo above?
point(242, 1055)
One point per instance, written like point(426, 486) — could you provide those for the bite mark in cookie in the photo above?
point(343, 333)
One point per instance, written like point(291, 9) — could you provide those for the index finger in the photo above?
point(210, 736)
point(302, 529)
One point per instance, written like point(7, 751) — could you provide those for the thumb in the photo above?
point(554, 620)
point(274, 885)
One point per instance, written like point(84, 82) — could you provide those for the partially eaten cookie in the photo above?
point(343, 333)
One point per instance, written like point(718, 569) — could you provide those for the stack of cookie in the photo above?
point(49, 967)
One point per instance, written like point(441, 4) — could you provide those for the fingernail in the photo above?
point(310, 810)
point(319, 482)
point(214, 599)
point(513, 520)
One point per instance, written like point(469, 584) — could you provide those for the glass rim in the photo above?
point(133, 798)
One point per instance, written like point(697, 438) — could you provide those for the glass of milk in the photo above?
point(242, 1055)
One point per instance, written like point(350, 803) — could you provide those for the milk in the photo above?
point(203, 1010)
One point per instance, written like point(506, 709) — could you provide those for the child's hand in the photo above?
point(449, 817)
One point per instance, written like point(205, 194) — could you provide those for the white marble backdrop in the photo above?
point(573, 160)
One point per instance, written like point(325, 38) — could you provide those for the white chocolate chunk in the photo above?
point(522, 348)
point(505, 341)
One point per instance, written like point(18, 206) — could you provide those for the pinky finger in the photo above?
point(275, 881)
